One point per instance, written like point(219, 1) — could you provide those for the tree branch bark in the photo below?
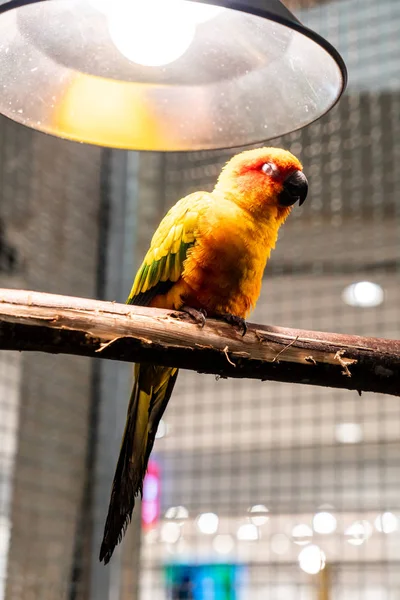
point(59, 324)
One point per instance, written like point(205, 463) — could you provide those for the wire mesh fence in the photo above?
point(266, 490)
point(48, 209)
point(319, 466)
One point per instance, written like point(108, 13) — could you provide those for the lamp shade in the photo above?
point(163, 74)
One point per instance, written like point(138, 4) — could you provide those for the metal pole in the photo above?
point(324, 584)
point(115, 379)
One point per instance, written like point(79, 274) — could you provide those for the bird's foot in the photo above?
point(236, 321)
point(198, 316)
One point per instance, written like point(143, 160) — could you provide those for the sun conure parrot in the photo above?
point(207, 257)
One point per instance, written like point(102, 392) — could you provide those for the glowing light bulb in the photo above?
point(386, 523)
point(152, 33)
point(184, 10)
point(363, 294)
point(358, 532)
point(207, 523)
point(324, 522)
point(103, 6)
point(348, 433)
point(312, 560)
point(258, 514)
point(178, 513)
point(200, 13)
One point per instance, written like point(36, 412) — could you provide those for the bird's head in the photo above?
point(264, 181)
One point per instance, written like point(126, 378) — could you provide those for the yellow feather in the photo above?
point(178, 231)
point(167, 243)
point(149, 258)
point(190, 227)
point(157, 253)
point(177, 239)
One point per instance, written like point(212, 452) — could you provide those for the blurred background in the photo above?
point(256, 490)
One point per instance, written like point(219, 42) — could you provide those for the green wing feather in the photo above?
point(163, 264)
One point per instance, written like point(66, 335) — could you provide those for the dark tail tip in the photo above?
point(115, 528)
point(105, 553)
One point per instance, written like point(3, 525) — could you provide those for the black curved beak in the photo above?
point(295, 188)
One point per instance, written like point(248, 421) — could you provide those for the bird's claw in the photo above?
point(198, 316)
point(236, 321)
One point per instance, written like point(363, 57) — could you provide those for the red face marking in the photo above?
point(267, 167)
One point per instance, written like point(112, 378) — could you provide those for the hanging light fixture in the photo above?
point(163, 74)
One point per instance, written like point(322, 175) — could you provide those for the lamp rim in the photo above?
point(275, 11)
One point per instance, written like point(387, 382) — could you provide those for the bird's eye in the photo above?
point(270, 169)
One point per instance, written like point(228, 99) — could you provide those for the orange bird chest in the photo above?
point(224, 268)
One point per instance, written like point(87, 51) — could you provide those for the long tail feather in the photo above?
point(151, 392)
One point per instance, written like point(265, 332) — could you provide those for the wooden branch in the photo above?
point(59, 324)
